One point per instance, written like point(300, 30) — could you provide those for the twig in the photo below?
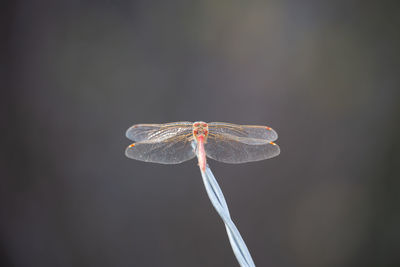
point(218, 200)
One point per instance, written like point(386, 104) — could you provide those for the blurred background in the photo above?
point(77, 74)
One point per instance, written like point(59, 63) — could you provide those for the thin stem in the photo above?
point(214, 192)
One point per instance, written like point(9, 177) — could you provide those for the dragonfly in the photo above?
point(176, 142)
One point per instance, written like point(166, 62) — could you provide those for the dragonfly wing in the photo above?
point(233, 149)
point(248, 131)
point(169, 151)
point(141, 132)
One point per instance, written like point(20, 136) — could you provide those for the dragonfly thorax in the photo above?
point(200, 129)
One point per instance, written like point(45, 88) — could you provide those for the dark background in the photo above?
point(77, 74)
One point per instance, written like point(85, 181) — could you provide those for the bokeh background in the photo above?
point(77, 74)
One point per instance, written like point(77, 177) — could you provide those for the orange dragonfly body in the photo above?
point(176, 142)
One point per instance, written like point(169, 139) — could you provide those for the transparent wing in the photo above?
point(232, 149)
point(170, 151)
point(142, 132)
point(248, 131)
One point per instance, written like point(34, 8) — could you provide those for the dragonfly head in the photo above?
point(200, 129)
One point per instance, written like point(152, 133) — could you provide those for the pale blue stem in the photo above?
point(218, 200)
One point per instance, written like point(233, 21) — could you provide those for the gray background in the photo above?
point(77, 74)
